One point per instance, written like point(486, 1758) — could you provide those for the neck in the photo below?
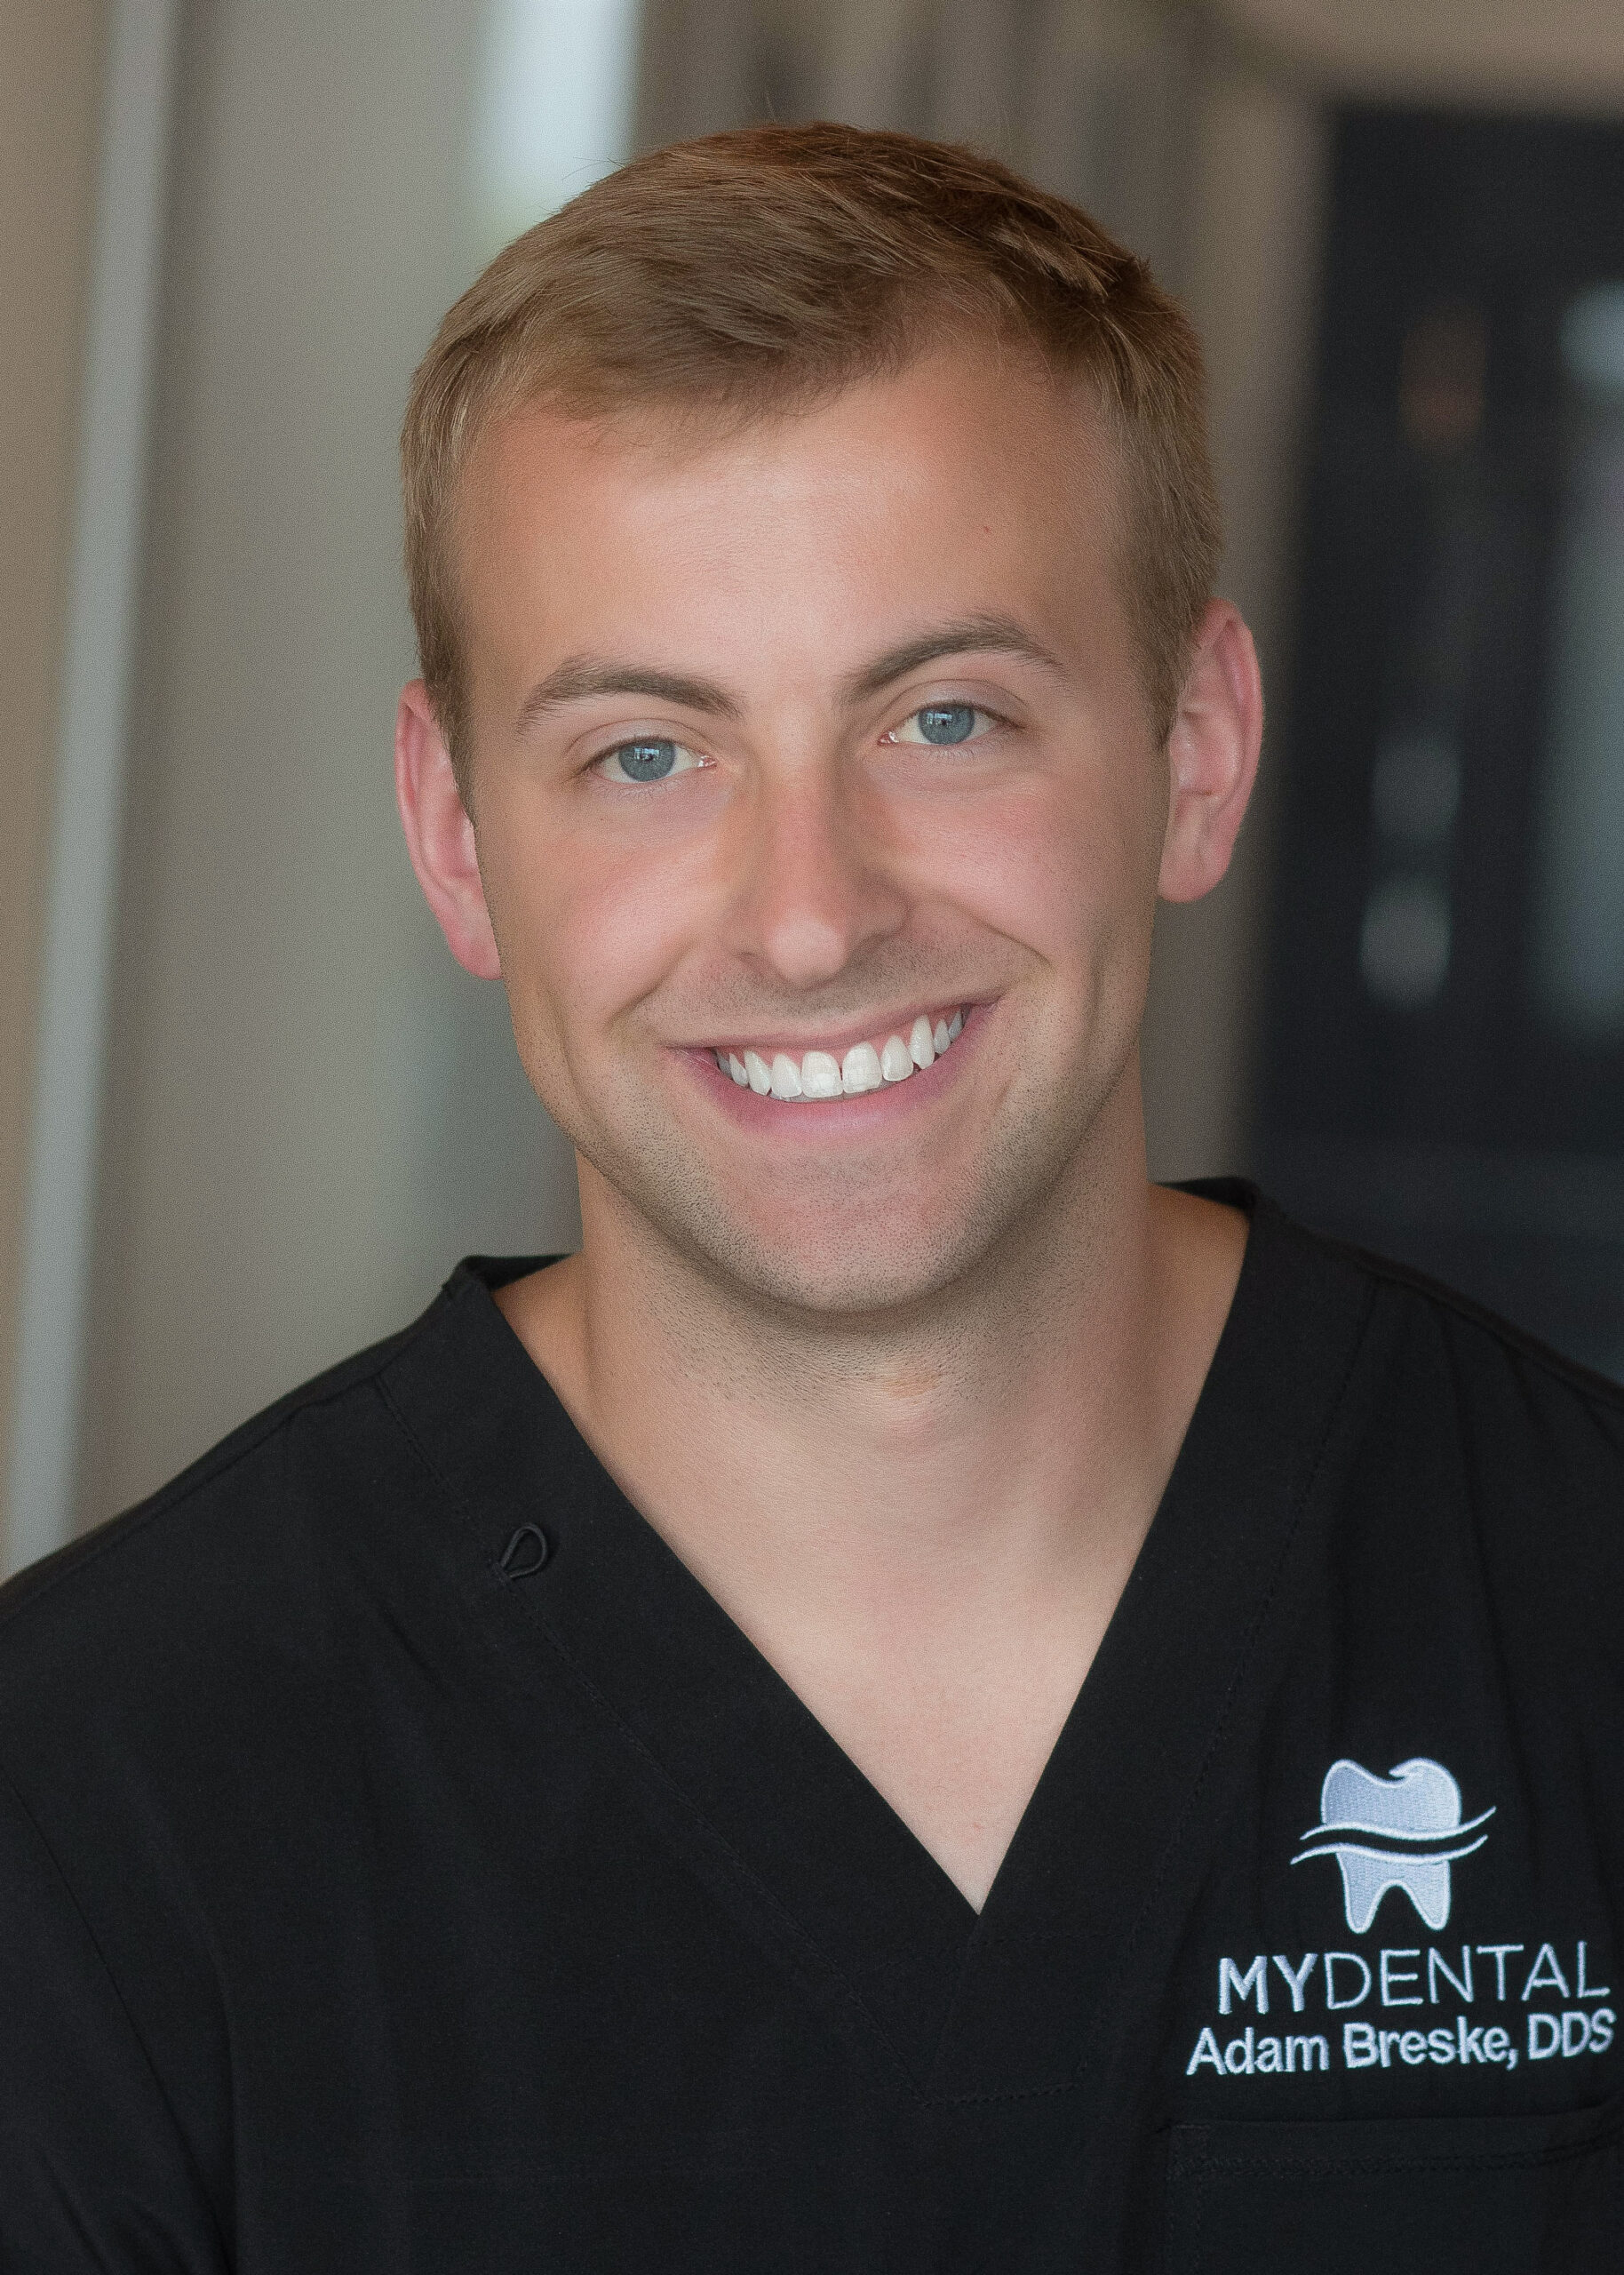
point(973, 1474)
point(1043, 1357)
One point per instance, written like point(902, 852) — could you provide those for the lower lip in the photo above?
point(800, 1119)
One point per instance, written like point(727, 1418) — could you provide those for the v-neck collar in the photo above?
point(969, 2007)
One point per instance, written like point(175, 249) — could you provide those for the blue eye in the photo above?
point(941, 724)
point(650, 758)
point(946, 722)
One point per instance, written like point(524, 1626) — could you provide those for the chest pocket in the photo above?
point(1449, 2195)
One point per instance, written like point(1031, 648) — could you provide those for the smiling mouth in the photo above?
point(818, 1074)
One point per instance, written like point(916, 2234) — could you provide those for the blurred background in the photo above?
point(251, 1113)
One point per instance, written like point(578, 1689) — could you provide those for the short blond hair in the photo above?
point(765, 270)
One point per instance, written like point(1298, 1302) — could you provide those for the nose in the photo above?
point(815, 886)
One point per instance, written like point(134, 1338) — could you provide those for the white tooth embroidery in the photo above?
point(894, 1064)
point(955, 1026)
point(820, 1076)
point(921, 1048)
point(860, 1070)
point(736, 1069)
point(786, 1076)
point(940, 1038)
point(756, 1068)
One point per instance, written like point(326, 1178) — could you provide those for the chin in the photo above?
point(830, 1287)
point(825, 1257)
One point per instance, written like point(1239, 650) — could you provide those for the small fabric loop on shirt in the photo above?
point(525, 1553)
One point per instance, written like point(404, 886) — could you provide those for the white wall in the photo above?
point(50, 92)
point(312, 1112)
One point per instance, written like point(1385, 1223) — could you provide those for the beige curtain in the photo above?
point(1091, 97)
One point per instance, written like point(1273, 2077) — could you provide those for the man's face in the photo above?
point(817, 736)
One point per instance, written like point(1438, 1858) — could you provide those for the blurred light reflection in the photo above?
point(1578, 946)
point(555, 111)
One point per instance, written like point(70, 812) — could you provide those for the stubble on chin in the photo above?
point(825, 1252)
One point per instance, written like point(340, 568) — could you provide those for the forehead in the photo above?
point(967, 481)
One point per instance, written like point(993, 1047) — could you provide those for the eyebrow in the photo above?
point(979, 634)
point(581, 677)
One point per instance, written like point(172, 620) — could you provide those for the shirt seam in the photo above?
point(107, 1540)
point(1605, 2142)
point(1389, 1273)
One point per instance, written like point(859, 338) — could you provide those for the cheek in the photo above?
point(586, 930)
point(1056, 867)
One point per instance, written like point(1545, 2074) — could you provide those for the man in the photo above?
point(922, 1704)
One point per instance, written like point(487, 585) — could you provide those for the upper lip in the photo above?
point(836, 1041)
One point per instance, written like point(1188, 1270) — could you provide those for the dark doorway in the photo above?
point(1443, 1073)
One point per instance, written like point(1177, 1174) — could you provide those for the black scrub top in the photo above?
point(405, 1866)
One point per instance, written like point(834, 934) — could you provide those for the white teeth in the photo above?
point(820, 1076)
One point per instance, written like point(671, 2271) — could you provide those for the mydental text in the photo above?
point(1506, 2003)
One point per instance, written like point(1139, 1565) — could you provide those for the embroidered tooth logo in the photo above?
point(1402, 1831)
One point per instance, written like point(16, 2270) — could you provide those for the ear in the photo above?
point(440, 835)
point(1211, 754)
